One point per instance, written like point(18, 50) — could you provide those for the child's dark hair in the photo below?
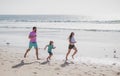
point(34, 27)
point(50, 42)
point(71, 35)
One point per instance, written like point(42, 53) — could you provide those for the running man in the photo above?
point(33, 42)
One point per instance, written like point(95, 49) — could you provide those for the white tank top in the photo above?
point(72, 40)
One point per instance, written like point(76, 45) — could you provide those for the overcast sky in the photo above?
point(108, 8)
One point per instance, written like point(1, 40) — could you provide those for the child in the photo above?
point(50, 47)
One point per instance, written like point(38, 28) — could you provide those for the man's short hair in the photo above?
point(34, 27)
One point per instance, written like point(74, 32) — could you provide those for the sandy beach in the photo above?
point(13, 64)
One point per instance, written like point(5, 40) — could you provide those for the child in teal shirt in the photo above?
point(50, 47)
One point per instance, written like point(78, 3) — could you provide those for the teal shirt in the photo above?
point(50, 47)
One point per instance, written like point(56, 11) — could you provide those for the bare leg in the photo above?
point(68, 54)
point(37, 54)
point(49, 57)
point(26, 52)
point(74, 52)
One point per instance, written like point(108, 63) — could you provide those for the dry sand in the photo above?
point(12, 63)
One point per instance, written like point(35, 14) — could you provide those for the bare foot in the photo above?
point(47, 59)
point(66, 59)
point(24, 56)
point(38, 58)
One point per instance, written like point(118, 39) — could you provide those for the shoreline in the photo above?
point(43, 54)
point(13, 64)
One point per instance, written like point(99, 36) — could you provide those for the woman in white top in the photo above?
point(71, 45)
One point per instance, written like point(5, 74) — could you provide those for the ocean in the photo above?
point(66, 22)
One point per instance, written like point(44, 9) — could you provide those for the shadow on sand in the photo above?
point(45, 62)
point(22, 63)
point(65, 64)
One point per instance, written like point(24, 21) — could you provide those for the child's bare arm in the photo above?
point(45, 47)
point(54, 47)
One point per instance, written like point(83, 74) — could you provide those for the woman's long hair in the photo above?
point(70, 36)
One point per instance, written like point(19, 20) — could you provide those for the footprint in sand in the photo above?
point(38, 68)
point(94, 67)
point(34, 72)
point(76, 68)
point(2, 63)
point(58, 73)
point(118, 73)
point(57, 69)
point(94, 72)
point(16, 71)
point(114, 64)
point(85, 72)
point(85, 64)
point(11, 61)
point(101, 70)
point(102, 75)
point(79, 75)
point(7, 43)
point(5, 60)
point(55, 63)
point(1, 58)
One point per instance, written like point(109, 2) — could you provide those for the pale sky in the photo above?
point(103, 8)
